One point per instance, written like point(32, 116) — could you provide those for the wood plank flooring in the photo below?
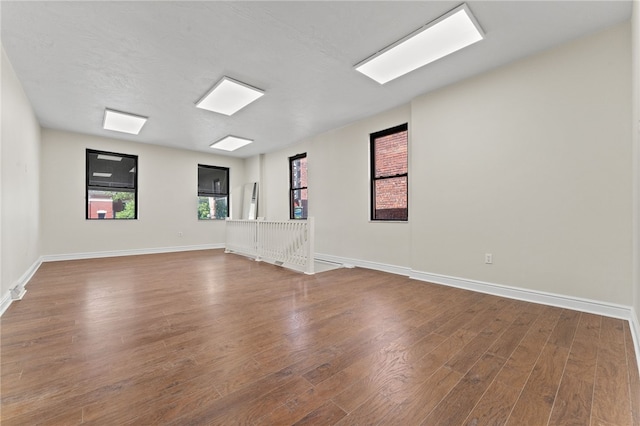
point(207, 338)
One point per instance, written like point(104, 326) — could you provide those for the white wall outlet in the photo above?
point(488, 258)
point(180, 234)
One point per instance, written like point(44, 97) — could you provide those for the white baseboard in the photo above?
point(634, 326)
point(18, 290)
point(350, 263)
point(131, 252)
point(534, 296)
point(5, 302)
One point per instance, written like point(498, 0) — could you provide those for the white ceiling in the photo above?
point(158, 58)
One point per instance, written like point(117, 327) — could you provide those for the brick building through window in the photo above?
point(389, 174)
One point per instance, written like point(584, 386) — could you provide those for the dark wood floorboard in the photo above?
point(207, 338)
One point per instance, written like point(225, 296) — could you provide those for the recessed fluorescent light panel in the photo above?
point(123, 121)
point(100, 174)
point(447, 34)
point(229, 96)
point(230, 143)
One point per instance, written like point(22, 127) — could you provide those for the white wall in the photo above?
point(635, 53)
point(20, 158)
point(167, 198)
point(338, 176)
point(530, 162)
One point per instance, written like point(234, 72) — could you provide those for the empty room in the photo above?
point(327, 212)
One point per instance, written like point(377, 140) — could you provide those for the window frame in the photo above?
point(88, 187)
point(214, 194)
point(373, 179)
point(292, 189)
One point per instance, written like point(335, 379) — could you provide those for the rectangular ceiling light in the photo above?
point(447, 34)
point(100, 174)
point(230, 143)
point(123, 121)
point(229, 96)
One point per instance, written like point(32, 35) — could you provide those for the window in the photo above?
point(112, 185)
point(213, 192)
point(298, 199)
point(389, 174)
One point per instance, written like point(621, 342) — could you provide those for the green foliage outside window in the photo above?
point(220, 208)
point(129, 205)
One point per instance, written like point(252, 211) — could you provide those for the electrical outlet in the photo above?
point(180, 234)
point(488, 258)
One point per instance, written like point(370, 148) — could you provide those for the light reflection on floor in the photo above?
point(324, 266)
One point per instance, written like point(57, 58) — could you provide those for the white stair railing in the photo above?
point(286, 243)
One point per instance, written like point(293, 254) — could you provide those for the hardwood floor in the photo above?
point(204, 338)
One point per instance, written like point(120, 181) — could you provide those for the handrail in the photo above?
point(286, 243)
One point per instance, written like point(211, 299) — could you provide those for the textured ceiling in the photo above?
point(158, 58)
